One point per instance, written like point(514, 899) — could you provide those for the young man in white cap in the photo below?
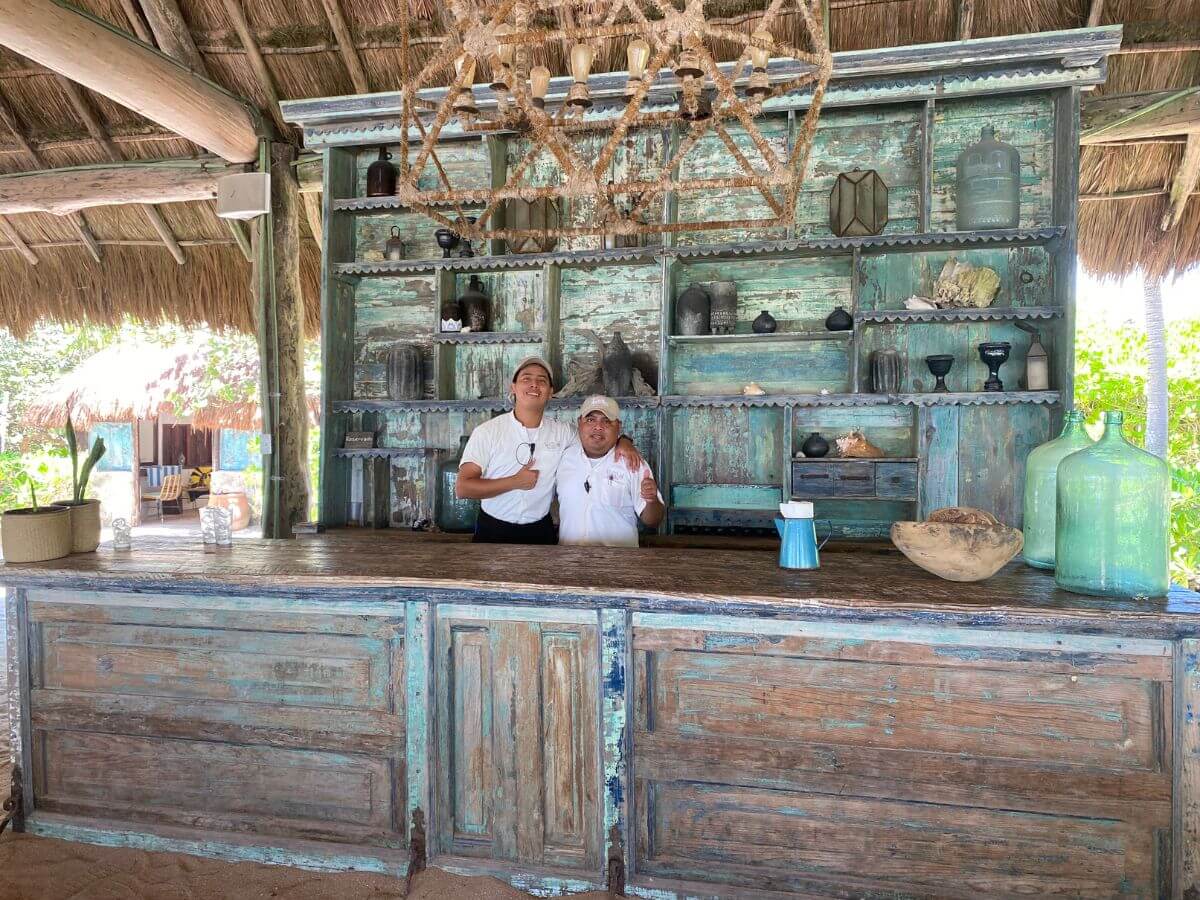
point(510, 463)
point(601, 501)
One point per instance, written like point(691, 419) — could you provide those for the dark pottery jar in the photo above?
point(815, 446)
point(454, 515)
point(722, 315)
point(987, 190)
point(839, 320)
point(381, 176)
point(692, 311)
point(616, 368)
point(885, 372)
point(994, 354)
point(476, 305)
point(405, 372)
point(447, 240)
point(939, 367)
point(764, 323)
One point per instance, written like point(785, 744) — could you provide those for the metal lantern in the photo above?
point(531, 215)
point(858, 204)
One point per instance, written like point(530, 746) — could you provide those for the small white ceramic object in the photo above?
point(122, 534)
point(796, 509)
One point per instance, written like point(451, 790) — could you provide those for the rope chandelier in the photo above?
point(669, 52)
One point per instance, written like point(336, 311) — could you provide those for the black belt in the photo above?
point(490, 530)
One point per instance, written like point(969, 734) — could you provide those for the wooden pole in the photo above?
point(237, 18)
point(17, 241)
point(1187, 178)
point(1141, 116)
point(114, 64)
point(281, 350)
point(966, 19)
point(345, 43)
point(62, 191)
point(1095, 13)
point(172, 35)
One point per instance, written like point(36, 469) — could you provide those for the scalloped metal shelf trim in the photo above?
point(417, 405)
point(961, 398)
point(489, 337)
point(389, 203)
point(750, 337)
point(381, 452)
point(495, 263)
point(623, 402)
point(900, 316)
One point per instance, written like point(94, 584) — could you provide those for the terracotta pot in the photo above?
point(35, 535)
point(238, 506)
point(85, 524)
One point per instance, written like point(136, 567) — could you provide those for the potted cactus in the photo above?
point(35, 533)
point(85, 514)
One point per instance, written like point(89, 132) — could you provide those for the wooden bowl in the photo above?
point(957, 552)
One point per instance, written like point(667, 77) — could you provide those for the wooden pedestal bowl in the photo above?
point(969, 550)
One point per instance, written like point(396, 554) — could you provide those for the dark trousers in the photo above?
point(490, 530)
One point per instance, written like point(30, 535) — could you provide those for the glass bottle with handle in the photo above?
point(1113, 519)
point(1041, 490)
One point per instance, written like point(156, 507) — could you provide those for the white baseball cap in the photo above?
point(534, 361)
point(600, 403)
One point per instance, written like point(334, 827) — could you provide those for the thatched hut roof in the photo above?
point(126, 382)
point(138, 276)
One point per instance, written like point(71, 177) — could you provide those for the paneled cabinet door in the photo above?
point(517, 744)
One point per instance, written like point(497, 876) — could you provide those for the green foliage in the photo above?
point(1110, 373)
point(47, 473)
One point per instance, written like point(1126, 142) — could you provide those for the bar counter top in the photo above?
point(859, 584)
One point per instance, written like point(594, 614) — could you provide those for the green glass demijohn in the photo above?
point(1041, 490)
point(1113, 518)
point(453, 514)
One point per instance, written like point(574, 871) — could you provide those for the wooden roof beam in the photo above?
point(113, 63)
point(345, 44)
point(1187, 177)
point(237, 18)
point(100, 135)
point(1095, 13)
point(1139, 116)
point(966, 19)
point(129, 7)
point(17, 241)
point(63, 191)
point(172, 34)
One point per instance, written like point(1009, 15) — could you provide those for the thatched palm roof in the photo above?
point(126, 382)
point(296, 38)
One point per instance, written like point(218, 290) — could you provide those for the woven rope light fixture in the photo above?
point(673, 78)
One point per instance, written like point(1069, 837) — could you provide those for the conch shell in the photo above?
point(752, 390)
point(964, 285)
point(856, 446)
point(915, 302)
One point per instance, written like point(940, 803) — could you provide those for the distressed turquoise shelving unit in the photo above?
point(727, 458)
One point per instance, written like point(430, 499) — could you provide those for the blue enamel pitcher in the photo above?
point(798, 539)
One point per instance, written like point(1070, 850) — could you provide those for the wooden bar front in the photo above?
point(694, 723)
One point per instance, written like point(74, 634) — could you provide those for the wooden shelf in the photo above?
point(987, 314)
point(418, 405)
point(957, 398)
point(381, 452)
point(489, 337)
point(573, 402)
point(800, 457)
point(751, 338)
point(1009, 237)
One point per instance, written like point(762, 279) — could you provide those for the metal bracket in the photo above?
point(616, 863)
point(416, 845)
point(14, 806)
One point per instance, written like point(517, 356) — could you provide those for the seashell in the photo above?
point(752, 390)
point(915, 302)
point(856, 446)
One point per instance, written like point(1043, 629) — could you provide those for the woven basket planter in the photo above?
point(34, 535)
point(85, 524)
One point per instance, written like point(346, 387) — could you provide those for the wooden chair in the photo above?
point(171, 492)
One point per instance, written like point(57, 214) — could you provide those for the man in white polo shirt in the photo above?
point(510, 463)
point(600, 500)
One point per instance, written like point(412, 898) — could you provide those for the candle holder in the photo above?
point(447, 240)
point(208, 526)
point(994, 354)
point(122, 534)
point(939, 367)
point(223, 530)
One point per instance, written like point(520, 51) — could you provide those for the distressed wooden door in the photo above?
point(517, 736)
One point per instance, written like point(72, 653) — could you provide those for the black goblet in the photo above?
point(939, 366)
point(994, 354)
point(447, 240)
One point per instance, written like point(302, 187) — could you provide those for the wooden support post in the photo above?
point(312, 212)
point(116, 65)
point(239, 237)
point(281, 350)
point(172, 34)
point(966, 19)
point(237, 18)
point(16, 240)
point(1095, 13)
point(1187, 177)
point(345, 43)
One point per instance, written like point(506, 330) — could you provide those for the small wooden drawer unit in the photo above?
point(854, 478)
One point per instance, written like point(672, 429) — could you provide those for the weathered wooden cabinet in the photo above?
point(725, 459)
point(674, 723)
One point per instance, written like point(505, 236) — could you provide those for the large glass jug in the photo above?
point(454, 514)
point(1041, 490)
point(1113, 518)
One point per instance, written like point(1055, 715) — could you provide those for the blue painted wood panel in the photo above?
point(886, 280)
point(518, 299)
point(803, 367)
point(891, 429)
point(605, 299)
point(727, 445)
point(387, 312)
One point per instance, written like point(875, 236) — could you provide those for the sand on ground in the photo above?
point(38, 868)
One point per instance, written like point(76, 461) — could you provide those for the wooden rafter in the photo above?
point(171, 33)
point(76, 221)
point(1187, 177)
point(17, 241)
point(237, 17)
point(345, 45)
point(239, 237)
point(129, 7)
point(1095, 13)
point(312, 212)
point(966, 19)
point(1149, 115)
point(100, 135)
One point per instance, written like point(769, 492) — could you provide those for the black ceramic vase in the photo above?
point(939, 367)
point(839, 320)
point(476, 305)
point(994, 354)
point(815, 446)
point(447, 240)
point(691, 311)
point(885, 372)
point(764, 324)
point(381, 176)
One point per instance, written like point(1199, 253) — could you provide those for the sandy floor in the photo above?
point(34, 868)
